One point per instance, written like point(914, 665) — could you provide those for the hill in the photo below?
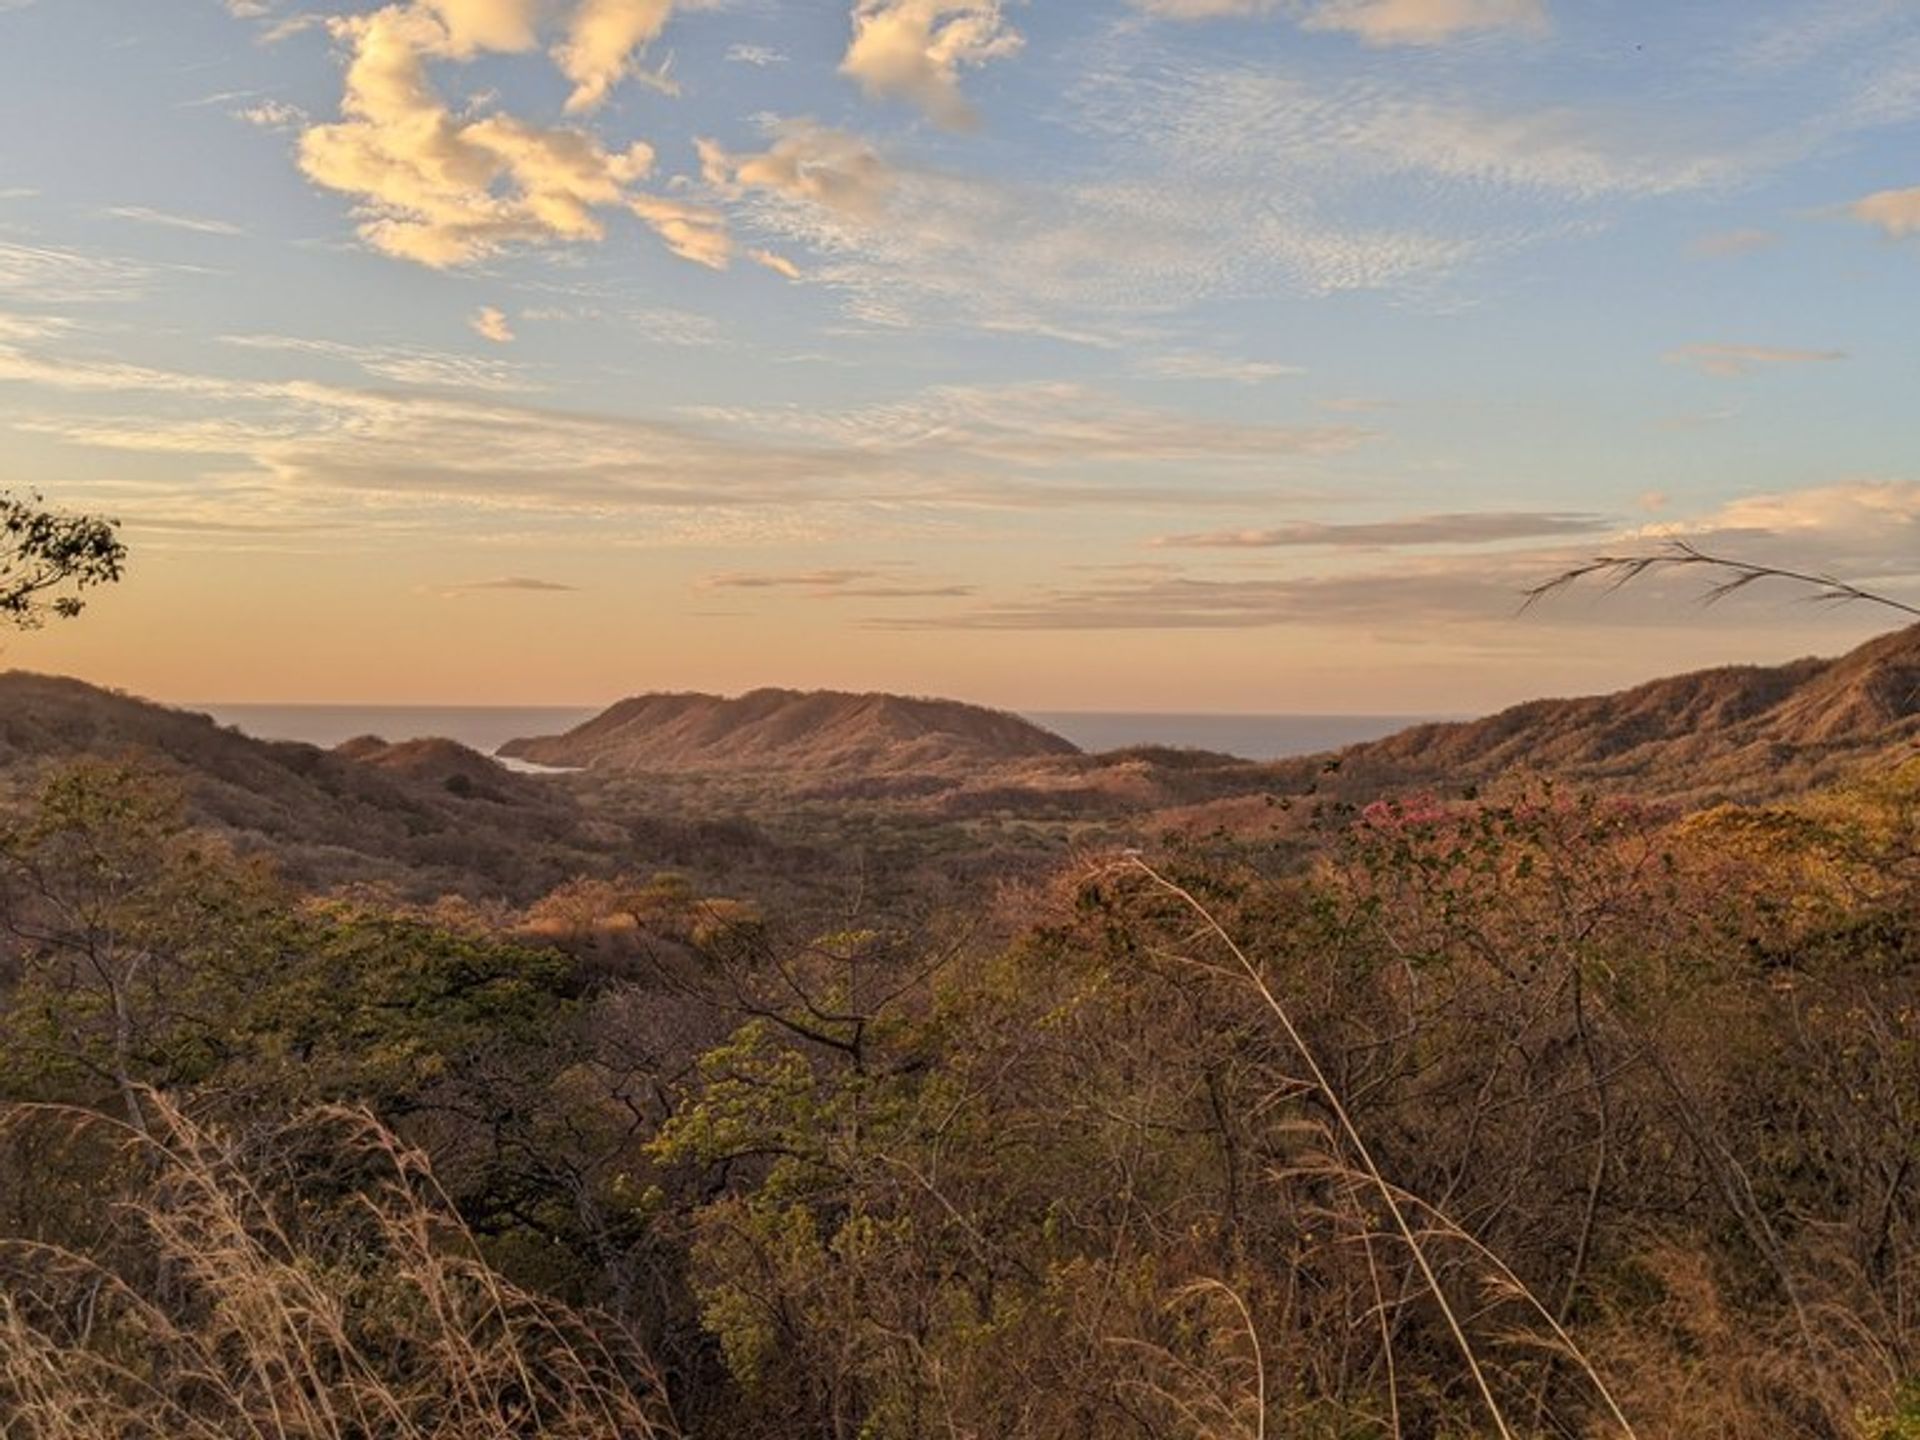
point(1743, 730)
point(423, 817)
point(818, 732)
point(1740, 733)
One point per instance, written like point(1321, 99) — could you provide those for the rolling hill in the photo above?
point(1745, 730)
point(423, 817)
point(1748, 733)
point(817, 733)
point(662, 774)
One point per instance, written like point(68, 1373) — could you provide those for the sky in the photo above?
point(1177, 355)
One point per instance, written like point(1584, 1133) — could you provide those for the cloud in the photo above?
point(51, 275)
point(1897, 212)
point(520, 584)
point(1728, 243)
point(1286, 130)
point(1075, 260)
point(1197, 365)
point(779, 264)
point(406, 365)
point(1187, 602)
point(1733, 361)
point(426, 455)
point(808, 163)
point(491, 324)
point(145, 216)
point(836, 585)
point(1376, 22)
point(15, 327)
point(1044, 426)
point(293, 25)
point(1867, 532)
point(476, 25)
point(914, 50)
point(1207, 9)
point(1453, 529)
point(1203, 178)
point(1425, 22)
point(1882, 513)
point(272, 115)
point(786, 580)
point(1701, 419)
point(757, 55)
point(655, 324)
point(445, 190)
point(603, 40)
point(693, 232)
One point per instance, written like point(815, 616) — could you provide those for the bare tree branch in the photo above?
point(1619, 570)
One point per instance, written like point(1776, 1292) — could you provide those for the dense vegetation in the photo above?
point(1526, 1113)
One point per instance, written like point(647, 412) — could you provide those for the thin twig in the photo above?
point(1619, 570)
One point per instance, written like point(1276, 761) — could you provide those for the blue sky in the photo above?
point(1161, 354)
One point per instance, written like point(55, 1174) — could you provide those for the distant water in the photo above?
point(487, 728)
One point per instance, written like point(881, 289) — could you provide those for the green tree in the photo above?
point(47, 557)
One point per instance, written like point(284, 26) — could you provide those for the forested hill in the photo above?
point(663, 771)
point(1756, 730)
point(422, 817)
point(1747, 733)
point(817, 732)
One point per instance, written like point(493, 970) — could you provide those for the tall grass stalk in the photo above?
point(1395, 1200)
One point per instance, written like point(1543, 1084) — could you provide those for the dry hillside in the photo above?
point(816, 732)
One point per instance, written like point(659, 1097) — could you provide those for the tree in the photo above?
point(47, 557)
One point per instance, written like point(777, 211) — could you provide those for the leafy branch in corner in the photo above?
point(1734, 575)
point(47, 557)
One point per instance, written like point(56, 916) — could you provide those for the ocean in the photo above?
point(487, 727)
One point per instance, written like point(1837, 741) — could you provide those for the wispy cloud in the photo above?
point(759, 56)
point(15, 327)
point(944, 451)
point(1207, 178)
point(1044, 425)
point(168, 220)
point(1199, 365)
point(841, 584)
point(408, 365)
point(1895, 212)
point(51, 275)
point(1470, 528)
point(1734, 361)
point(1188, 602)
point(511, 584)
point(1868, 531)
point(272, 115)
point(1377, 22)
point(1725, 244)
point(1077, 260)
point(657, 324)
point(1426, 22)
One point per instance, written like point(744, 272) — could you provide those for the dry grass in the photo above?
point(1421, 1228)
point(308, 1282)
